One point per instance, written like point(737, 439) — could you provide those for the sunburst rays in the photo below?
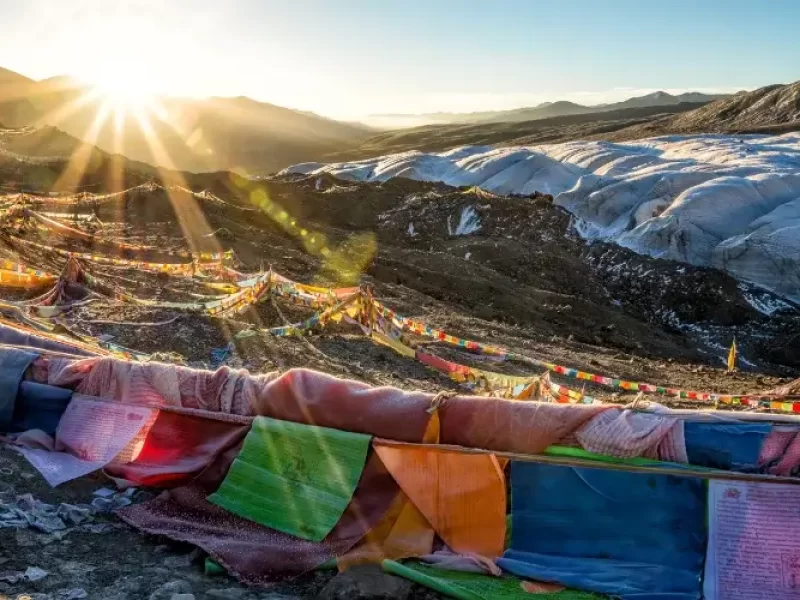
point(166, 131)
point(72, 175)
point(117, 112)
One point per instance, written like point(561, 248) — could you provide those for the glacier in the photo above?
point(725, 201)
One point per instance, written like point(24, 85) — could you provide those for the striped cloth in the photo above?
point(626, 434)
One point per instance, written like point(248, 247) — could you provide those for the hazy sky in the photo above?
point(348, 58)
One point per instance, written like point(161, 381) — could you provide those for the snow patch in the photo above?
point(731, 202)
point(468, 223)
point(765, 303)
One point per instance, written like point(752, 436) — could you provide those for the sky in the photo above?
point(351, 58)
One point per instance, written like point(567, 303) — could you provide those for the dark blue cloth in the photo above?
point(13, 363)
point(729, 446)
point(39, 406)
point(632, 535)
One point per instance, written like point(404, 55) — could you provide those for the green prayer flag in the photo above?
point(294, 478)
point(476, 586)
point(212, 567)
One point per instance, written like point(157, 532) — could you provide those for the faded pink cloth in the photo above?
point(311, 397)
point(790, 460)
point(468, 562)
point(306, 396)
point(781, 447)
point(672, 447)
point(90, 435)
point(226, 390)
point(775, 445)
point(627, 434)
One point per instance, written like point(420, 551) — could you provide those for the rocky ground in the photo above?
point(522, 279)
point(510, 271)
point(110, 561)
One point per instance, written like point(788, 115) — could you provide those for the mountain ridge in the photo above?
point(208, 134)
point(254, 138)
point(545, 110)
point(770, 108)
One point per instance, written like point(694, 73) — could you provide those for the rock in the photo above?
point(182, 597)
point(27, 538)
point(196, 555)
point(35, 574)
point(366, 583)
point(7, 492)
point(178, 562)
point(71, 594)
point(226, 593)
point(12, 577)
point(99, 528)
point(74, 569)
point(171, 589)
point(128, 586)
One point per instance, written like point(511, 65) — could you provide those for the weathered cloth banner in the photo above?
point(753, 552)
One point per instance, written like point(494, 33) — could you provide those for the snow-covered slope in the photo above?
point(731, 202)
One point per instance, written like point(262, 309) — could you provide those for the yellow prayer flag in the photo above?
point(732, 357)
point(395, 345)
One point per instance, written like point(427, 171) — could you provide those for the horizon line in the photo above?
point(491, 102)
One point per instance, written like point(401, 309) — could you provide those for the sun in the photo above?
point(124, 81)
point(125, 92)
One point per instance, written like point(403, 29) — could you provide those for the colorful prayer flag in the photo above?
point(732, 357)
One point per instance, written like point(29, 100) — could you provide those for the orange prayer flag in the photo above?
point(463, 496)
point(403, 532)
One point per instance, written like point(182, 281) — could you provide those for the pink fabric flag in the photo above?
point(90, 434)
point(624, 433)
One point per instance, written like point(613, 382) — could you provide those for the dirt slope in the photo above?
point(771, 108)
point(524, 280)
point(46, 159)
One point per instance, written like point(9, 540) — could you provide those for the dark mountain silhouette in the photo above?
point(195, 135)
